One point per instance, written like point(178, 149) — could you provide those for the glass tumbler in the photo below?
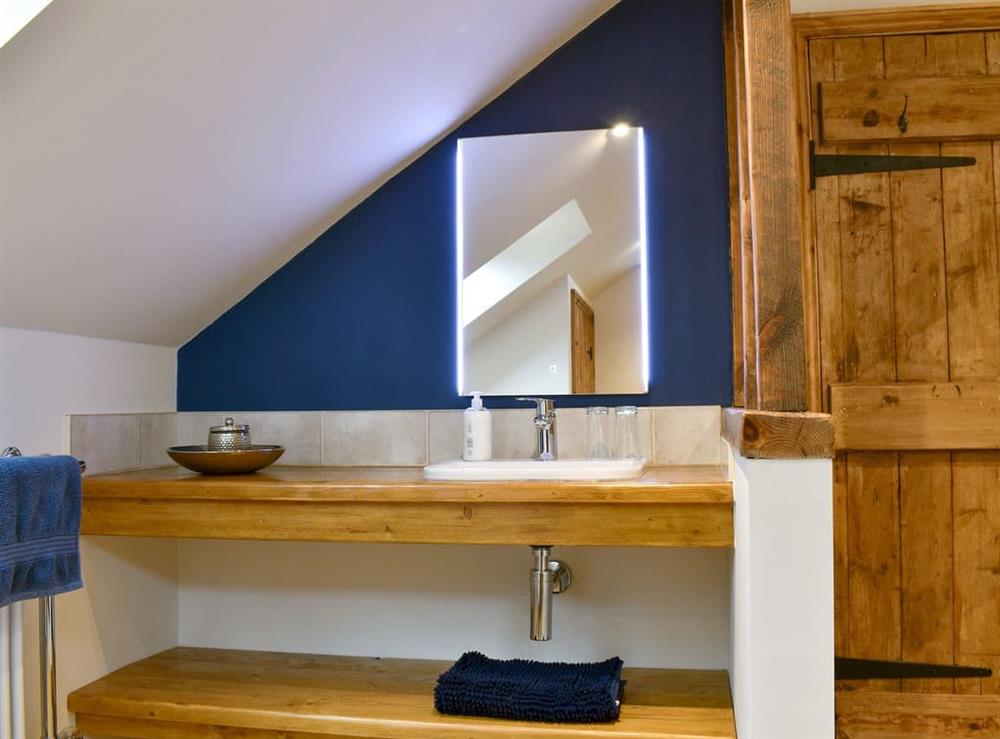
point(627, 423)
point(598, 433)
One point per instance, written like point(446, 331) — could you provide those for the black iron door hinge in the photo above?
point(828, 165)
point(848, 668)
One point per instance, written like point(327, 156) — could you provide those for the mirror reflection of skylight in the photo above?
point(550, 265)
point(559, 232)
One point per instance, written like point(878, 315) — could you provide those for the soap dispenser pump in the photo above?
point(478, 424)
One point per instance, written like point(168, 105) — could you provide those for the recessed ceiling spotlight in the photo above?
point(620, 130)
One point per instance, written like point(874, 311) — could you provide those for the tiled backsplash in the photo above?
point(108, 443)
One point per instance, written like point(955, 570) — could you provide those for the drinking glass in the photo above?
point(598, 433)
point(627, 425)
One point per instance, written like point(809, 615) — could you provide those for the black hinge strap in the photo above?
point(828, 165)
point(849, 668)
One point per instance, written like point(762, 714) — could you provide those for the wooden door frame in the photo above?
point(575, 298)
point(769, 341)
point(877, 22)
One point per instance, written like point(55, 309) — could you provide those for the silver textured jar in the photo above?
point(228, 437)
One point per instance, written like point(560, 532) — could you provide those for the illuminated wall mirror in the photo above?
point(552, 263)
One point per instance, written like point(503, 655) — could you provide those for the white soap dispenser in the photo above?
point(478, 423)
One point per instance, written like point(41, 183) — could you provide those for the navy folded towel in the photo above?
point(525, 690)
point(39, 527)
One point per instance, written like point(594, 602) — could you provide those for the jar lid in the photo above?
point(229, 426)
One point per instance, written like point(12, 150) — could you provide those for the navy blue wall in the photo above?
point(364, 317)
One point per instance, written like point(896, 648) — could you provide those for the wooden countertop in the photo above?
point(667, 506)
point(189, 693)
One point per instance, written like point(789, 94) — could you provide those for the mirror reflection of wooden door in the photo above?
point(582, 327)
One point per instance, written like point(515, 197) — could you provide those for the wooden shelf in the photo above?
point(188, 693)
point(667, 506)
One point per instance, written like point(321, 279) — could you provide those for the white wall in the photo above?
point(652, 607)
point(45, 376)
point(99, 206)
point(128, 608)
point(618, 334)
point(15, 15)
point(781, 642)
point(514, 357)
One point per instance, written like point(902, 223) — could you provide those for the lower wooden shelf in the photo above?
point(189, 693)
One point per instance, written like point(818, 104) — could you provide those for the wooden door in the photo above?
point(582, 323)
point(908, 291)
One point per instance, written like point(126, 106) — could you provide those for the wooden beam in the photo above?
point(774, 275)
point(937, 109)
point(903, 416)
point(774, 435)
point(740, 241)
point(864, 714)
point(891, 21)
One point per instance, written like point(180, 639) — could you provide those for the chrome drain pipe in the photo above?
point(548, 577)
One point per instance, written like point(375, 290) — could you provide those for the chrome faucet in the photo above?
point(545, 428)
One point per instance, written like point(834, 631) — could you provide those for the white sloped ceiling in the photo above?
point(160, 158)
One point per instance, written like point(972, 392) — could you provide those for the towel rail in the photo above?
point(13, 669)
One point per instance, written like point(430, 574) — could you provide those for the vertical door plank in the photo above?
point(827, 236)
point(927, 568)
point(925, 496)
point(972, 274)
point(970, 230)
point(873, 549)
point(917, 241)
point(977, 560)
point(866, 264)
point(868, 325)
point(955, 54)
point(973, 285)
point(992, 684)
point(865, 241)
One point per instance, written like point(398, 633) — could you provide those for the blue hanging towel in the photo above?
point(40, 502)
point(526, 690)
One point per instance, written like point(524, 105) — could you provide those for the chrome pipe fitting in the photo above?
point(548, 577)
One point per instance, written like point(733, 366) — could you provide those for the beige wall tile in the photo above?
point(644, 420)
point(192, 428)
point(107, 443)
point(514, 433)
point(687, 434)
point(571, 433)
point(375, 438)
point(444, 435)
point(667, 435)
point(300, 433)
point(157, 431)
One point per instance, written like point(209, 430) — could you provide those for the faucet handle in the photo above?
point(545, 406)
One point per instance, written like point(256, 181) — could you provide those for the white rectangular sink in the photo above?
point(533, 469)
